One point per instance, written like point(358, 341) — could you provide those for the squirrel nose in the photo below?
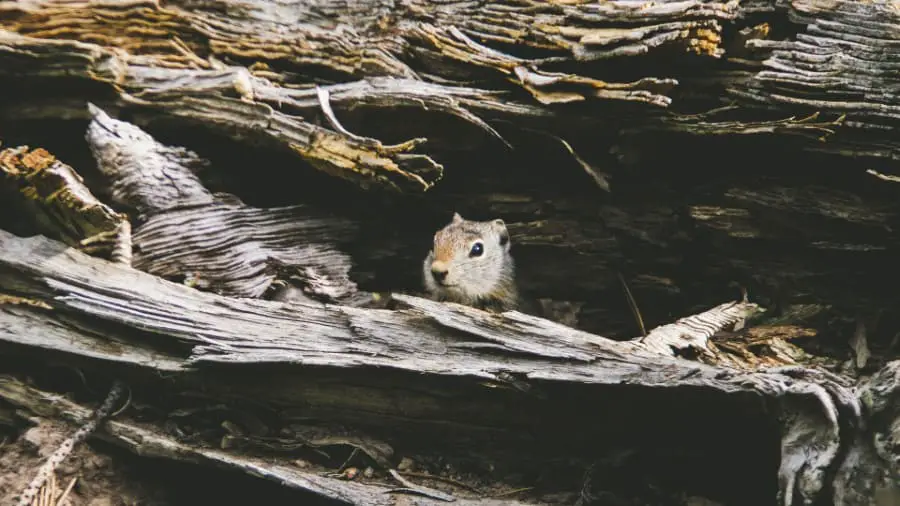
point(439, 272)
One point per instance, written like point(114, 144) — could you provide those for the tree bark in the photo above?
point(310, 150)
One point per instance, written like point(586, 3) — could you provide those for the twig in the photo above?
point(512, 492)
point(600, 178)
point(124, 406)
point(894, 342)
point(585, 496)
point(443, 479)
point(418, 489)
point(47, 469)
point(344, 465)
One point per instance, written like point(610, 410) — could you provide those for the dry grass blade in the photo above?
point(62, 498)
point(633, 305)
point(512, 492)
point(409, 486)
point(450, 481)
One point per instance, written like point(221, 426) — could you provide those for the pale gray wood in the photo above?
point(645, 231)
point(427, 338)
point(392, 56)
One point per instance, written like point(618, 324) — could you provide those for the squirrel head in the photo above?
point(470, 262)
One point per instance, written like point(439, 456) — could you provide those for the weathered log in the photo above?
point(790, 238)
point(599, 102)
point(456, 348)
point(149, 442)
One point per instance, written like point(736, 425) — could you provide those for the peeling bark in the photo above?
point(622, 143)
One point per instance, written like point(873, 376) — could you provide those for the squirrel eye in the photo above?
point(477, 250)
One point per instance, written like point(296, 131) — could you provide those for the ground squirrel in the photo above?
point(470, 264)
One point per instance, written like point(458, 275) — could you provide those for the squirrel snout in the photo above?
point(439, 271)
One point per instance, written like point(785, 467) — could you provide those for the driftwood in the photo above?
point(567, 119)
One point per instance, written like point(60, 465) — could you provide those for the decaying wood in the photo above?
point(145, 441)
point(870, 470)
point(839, 63)
point(59, 202)
point(464, 346)
point(552, 70)
point(213, 241)
point(578, 115)
point(65, 208)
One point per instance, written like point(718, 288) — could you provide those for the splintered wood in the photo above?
point(508, 353)
point(62, 205)
point(670, 147)
point(214, 242)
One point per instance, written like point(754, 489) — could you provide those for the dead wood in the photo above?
point(214, 242)
point(150, 442)
point(644, 230)
point(54, 196)
point(675, 147)
point(465, 347)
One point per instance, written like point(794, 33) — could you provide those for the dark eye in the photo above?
point(477, 250)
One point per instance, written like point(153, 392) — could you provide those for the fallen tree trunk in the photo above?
point(533, 361)
point(355, 367)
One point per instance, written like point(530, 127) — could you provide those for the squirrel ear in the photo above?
point(457, 218)
point(500, 226)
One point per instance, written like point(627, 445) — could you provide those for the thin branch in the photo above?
point(47, 469)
